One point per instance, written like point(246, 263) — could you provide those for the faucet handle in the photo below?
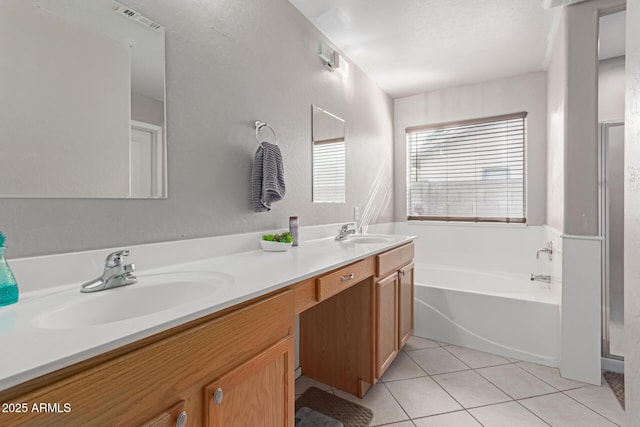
point(115, 259)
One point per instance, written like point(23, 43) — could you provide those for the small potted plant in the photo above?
point(276, 242)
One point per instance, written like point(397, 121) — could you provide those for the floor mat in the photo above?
point(348, 413)
point(616, 382)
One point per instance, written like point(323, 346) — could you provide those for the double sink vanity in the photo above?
point(209, 341)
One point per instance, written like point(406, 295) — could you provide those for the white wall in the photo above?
point(87, 79)
point(611, 89)
point(632, 218)
point(556, 100)
point(502, 96)
point(229, 63)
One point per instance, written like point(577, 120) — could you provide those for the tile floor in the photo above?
point(433, 384)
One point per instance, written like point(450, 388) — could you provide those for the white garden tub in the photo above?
point(501, 313)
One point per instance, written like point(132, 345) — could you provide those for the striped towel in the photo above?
point(267, 177)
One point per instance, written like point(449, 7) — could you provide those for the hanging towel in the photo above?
point(267, 177)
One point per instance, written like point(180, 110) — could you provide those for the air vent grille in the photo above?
point(132, 14)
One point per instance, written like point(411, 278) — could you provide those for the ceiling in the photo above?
point(414, 46)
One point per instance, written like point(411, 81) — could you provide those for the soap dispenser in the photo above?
point(8, 285)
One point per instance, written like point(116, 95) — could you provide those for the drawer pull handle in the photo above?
point(181, 421)
point(217, 396)
point(347, 278)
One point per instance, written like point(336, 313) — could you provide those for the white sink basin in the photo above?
point(367, 238)
point(152, 294)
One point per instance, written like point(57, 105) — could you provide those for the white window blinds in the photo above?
point(329, 171)
point(468, 171)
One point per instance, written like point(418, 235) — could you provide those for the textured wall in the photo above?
point(556, 100)
point(632, 218)
point(502, 96)
point(229, 63)
point(581, 131)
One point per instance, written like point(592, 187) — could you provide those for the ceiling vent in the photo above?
point(132, 14)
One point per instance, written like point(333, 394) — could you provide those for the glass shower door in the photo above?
point(612, 229)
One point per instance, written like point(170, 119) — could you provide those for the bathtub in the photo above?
point(501, 313)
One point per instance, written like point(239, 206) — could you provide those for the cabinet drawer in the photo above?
point(344, 278)
point(394, 259)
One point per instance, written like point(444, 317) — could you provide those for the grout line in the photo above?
point(546, 382)
point(477, 420)
point(445, 413)
point(399, 404)
point(534, 414)
point(592, 410)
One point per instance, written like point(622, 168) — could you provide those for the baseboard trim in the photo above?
point(613, 365)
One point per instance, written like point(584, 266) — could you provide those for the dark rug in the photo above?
point(348, 413)
point(616, 382)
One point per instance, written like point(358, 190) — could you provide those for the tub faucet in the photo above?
point(548, 250)
point(541, 278)
point(115, 274)
point(345, 231)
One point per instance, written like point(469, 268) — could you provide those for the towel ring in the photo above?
point(260, 125)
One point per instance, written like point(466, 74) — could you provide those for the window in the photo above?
point(468, 171)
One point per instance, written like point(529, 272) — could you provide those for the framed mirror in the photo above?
point(328, 157)
point(82, 111)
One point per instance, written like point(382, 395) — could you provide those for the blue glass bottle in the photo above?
point(8, 285)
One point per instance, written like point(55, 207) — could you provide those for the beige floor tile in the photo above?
point(453, 419)
point(303, 383)
point(416, 343)
point(550, 376)
point(470, 389)
point(421, 397)
point(437, 361)
point(385, 408)
point(562, 411)
point(600, 399)
point(402, 368)
point(401, 424)
point(516, 382)
point(476, 359)
point(510, 414)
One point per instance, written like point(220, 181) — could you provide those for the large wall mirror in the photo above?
point(328, 157)
point(82, 101)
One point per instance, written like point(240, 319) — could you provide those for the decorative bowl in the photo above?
point(269, 246)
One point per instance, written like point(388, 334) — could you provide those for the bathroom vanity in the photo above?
point(235, 366)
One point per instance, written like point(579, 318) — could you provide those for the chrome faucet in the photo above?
point(345, 231)
point(115, 274)
point(548, 250)
point(541, 278)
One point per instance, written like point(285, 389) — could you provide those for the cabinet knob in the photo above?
point(181, 421)
point(217, 396)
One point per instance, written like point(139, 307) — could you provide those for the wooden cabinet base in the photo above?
point(336, 339)
point(139, 386)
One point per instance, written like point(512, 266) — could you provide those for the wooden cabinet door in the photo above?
point(405, 305)
point(386, 320)
point(174, 416)
point(259, 392)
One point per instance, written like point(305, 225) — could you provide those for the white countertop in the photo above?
point(29, 351)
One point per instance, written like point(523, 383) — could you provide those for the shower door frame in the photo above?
point(603, 225)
